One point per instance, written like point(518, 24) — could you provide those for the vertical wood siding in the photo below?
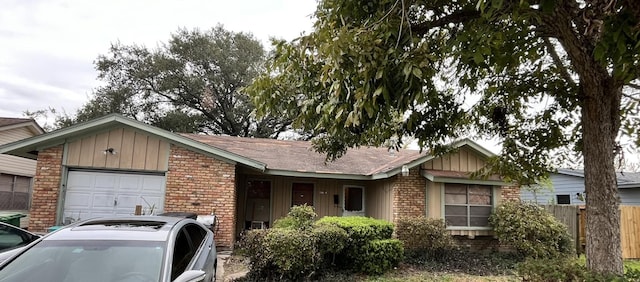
point(134, 150)
point(378, 200)
point(463, 160)
point(434, 201)
point(377, 196)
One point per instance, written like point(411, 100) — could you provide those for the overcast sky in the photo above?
point(47, 47)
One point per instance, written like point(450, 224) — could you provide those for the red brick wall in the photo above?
point(201, 184)
point(510, 193)
point(44, 199)
point(409, 198)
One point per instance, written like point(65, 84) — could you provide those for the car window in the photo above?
point(188, 240)
point(196, 233)
point(11, 237)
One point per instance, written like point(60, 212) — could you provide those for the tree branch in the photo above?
point(461, 16)
point(634, 86)
point(564, 72)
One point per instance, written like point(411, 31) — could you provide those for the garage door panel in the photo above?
point(152, 183)
point(105, 182)
point(81, 179)
point(92, 194)
point(103, 200)
point(130, 182)
point(79, 199)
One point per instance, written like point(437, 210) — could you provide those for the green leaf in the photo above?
point(417, 72)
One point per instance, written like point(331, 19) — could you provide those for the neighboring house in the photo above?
point(567, 187)
point(108, 165)
point(16, 173)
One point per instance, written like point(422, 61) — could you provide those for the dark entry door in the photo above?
point(302, 193)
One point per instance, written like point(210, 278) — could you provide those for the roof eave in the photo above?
point(442, 179)
point(310, 174)
point(23, 147)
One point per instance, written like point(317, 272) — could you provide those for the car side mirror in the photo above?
point(191, 276)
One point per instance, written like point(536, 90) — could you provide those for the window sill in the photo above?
point(470, 232)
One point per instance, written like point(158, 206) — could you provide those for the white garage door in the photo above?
point(94, 194)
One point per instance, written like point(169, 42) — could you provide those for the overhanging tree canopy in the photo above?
point(190, 84)
point(546, 75)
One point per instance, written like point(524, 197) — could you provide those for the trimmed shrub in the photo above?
point(379, 256)
point(293, 253)
point(424, 237)
point(330, 241)
point(369, 248)
point(361, 229)
point(531, 230)
point(299, 217)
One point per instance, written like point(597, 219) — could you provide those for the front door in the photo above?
point(302, 193)
point(353, 204)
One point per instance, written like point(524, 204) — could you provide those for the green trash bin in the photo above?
point(12, 218)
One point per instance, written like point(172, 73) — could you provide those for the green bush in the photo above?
point(369, 248)
point(252, 245)
point(361, 229)
point(379, 256)
point(299, 217)
point(531, 230)
point(294, 249)
point(424, 237)
point(330, 241)
point(566, 269)
point(297, 249)
point(293, 253)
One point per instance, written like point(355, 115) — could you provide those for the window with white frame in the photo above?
point(467, 205)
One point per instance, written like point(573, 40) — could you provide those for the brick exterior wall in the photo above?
point(409, 198)
point(201, 184)
point(510, 193)
point(44, 199)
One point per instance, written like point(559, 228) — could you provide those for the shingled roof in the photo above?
point(4, 121)
point(298, 156)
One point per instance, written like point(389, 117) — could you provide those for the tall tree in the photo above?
point(193, 83)
point(542, 75)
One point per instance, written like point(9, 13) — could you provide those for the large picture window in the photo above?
point(467, 205)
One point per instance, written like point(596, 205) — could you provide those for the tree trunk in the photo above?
point(600, 124)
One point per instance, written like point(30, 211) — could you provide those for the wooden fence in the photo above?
point(570, 216)
point(575, 219)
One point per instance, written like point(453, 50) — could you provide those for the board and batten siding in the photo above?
point(463, 160)
point(379, 200)
point(133, 151)
point(561, 184)
point(378, 196)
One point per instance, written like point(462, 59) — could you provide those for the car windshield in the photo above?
point(92, 260)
